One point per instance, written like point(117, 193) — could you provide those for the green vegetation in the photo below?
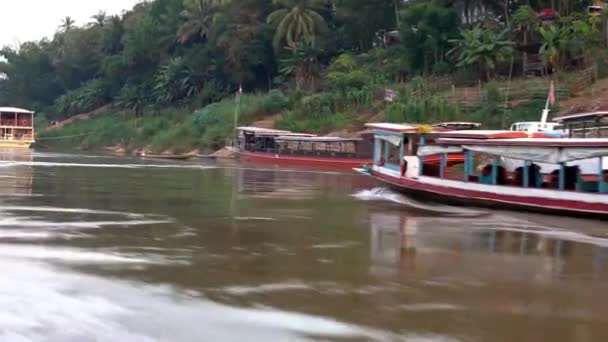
point(167, 70)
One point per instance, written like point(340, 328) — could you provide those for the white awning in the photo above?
point(391, 139)
point(551, 155)
point(429, 150)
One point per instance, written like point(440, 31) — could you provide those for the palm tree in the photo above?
point(554, 43)
point(296, 21)
point(114, 31)
point(482, 47)
point(174, 81)
point(525, 19)
point(303, 64)
point(67, 24)
point(100, 18)
point(199, 17)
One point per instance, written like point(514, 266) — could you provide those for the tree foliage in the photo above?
point(193, 52)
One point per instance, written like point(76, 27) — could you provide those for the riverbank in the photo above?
point(189, 130)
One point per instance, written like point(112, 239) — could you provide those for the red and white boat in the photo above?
point(400, 160)
point(278, 147)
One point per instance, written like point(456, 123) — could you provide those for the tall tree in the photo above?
point(67, 24)
point(199, 16)
point(100, 18)
point(484, 48)
point(297, 21)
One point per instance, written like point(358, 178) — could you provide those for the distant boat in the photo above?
point(168, 156)
point(16, 127)
point(279, 147)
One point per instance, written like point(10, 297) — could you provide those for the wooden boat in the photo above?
point(16, 127)
point(279, 147)
point(168, 156)
point(563, 192)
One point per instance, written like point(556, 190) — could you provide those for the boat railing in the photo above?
point(24, 137)
point(309, 153)
point(18, 123)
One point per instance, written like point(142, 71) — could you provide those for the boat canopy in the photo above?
point(458, 125)
point(551, 151)
point(316, 139)
point(492, 134)
point(15, 110)
point(271, 132)
point(393, 127)
point(581, 117)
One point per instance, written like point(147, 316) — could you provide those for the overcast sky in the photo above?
point(23, 20)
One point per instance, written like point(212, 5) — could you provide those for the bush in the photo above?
point(395, 112)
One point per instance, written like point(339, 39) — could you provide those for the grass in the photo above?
point(183, 129)
point(173, 129)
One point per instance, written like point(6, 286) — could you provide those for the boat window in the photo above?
point(393, 155)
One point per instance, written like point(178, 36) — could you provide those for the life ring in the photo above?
point(23, 122)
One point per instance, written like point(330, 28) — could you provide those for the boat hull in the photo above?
point(564, 204)
point(15, 144)
point(291, 160)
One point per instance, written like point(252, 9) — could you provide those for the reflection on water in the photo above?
point(103, 248)
point(16, 180)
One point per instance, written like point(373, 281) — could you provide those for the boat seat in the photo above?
point(586, 186)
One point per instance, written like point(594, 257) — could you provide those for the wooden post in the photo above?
point(601, 181)
point(467, 165)
point(495, 170)
point(526, 174)
point(443, 165)
point(421, 159)
point(562, 177)
point(377, 150)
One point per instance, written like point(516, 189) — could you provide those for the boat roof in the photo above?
point(457, 123)
point(15, 110)
point(491, 134)
point(260, 130)
point(531, 142)
point(393, 127)
point(271, 132)
point(316, 139)
point(581, 116)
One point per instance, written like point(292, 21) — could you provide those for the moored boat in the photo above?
point(16, 127)
point(563, 191)
point(279, 147)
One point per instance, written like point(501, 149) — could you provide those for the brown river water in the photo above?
point(97, 248)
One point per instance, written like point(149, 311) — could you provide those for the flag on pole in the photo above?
point(551, 94)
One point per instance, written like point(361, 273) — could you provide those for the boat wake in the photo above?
point(108, 166)
point(384, 194)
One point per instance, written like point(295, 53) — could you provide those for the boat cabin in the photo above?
point(255, 139)
point(326, 146)
point(537, 126)
point(585, 125)
point(280, 142)
point(492, 157)
point(16, 126)
point(491, 168)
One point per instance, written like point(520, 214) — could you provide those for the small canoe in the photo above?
point(206, 156)
point(168, 156)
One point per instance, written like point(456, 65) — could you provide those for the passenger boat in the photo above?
point(16, 127)
point(562, 191)
point(279, 147)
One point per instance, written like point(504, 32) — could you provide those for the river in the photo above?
point(99, 248)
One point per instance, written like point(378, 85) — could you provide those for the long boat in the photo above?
point(280, 147)
point(563, 191)
point(16, 127)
